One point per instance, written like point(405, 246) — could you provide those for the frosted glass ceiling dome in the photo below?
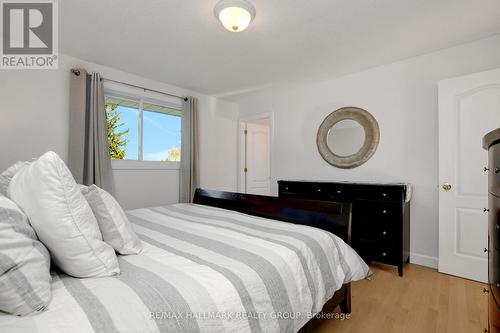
point(235, 15)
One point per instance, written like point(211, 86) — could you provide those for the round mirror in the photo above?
point(346, 137)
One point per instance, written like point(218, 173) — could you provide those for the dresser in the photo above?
point(380, 215)
point(491, 142)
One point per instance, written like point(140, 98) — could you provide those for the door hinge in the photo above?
point(245, 170)
point(246, 132)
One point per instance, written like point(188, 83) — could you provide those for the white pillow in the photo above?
point(46, 191)
point(24, 264)
point(7, 175)
point(115, 227)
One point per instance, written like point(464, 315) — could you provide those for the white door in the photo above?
point(258, 157)
point(469, 107)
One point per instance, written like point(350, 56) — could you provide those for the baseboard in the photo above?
point(424, 260)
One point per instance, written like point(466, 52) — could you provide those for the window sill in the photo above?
point(144, 165)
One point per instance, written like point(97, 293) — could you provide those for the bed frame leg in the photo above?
point(345, 305)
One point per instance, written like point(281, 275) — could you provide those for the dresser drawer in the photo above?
point(494, 272)
point(376, 251)
point(494, 172)
point(494, 221)
point(386, 255)
point(328, 192)
point(375, 210)
point(383, 193)
point(338, 192)
point(376, 221)
point(380, 233)
point(493, 315)
point(314, 191)
point(294, 190)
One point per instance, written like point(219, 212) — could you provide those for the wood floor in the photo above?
point(423, 301)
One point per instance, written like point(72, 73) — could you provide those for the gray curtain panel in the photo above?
point(89, 159)
point(189, 172)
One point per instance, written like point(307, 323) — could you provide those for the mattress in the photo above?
point(203, 269)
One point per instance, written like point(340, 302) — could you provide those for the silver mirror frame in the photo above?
point(372, 137)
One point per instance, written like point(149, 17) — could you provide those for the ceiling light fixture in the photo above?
point(235, 15)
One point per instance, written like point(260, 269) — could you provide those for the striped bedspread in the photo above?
point(204, 269)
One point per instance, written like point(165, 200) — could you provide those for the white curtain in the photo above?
point(189, 171)
point(89, 159)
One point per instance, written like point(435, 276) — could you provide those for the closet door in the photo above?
point(469, 107)
point(258, 158)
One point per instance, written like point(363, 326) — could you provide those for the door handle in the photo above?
point(446, 186)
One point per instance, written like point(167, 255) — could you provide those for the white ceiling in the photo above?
point(180, 41)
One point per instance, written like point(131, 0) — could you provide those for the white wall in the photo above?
point(219, 150)
point(34, 118)
point(403, 98)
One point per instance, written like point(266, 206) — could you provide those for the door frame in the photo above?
point(242, 120)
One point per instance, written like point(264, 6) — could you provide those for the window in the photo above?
point(142, 130)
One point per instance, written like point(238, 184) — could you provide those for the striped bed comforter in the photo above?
point(203, 269)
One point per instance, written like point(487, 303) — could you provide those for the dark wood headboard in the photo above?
point(330, 216)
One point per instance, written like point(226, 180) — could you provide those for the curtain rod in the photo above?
point(77, 73)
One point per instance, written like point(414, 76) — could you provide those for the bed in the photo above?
point(227, 263)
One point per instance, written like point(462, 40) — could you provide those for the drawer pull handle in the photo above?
point(339, 191)
point(485, 290)
point(486, 210)
point(319, 190)
point(497, 226)
point(497, 170)
point(384, 254)
point(485, 250)
point(486, 169)
point(384, 195)
point(384, 233)
point(497, 284)
point(286, 188)
point(384, 212)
